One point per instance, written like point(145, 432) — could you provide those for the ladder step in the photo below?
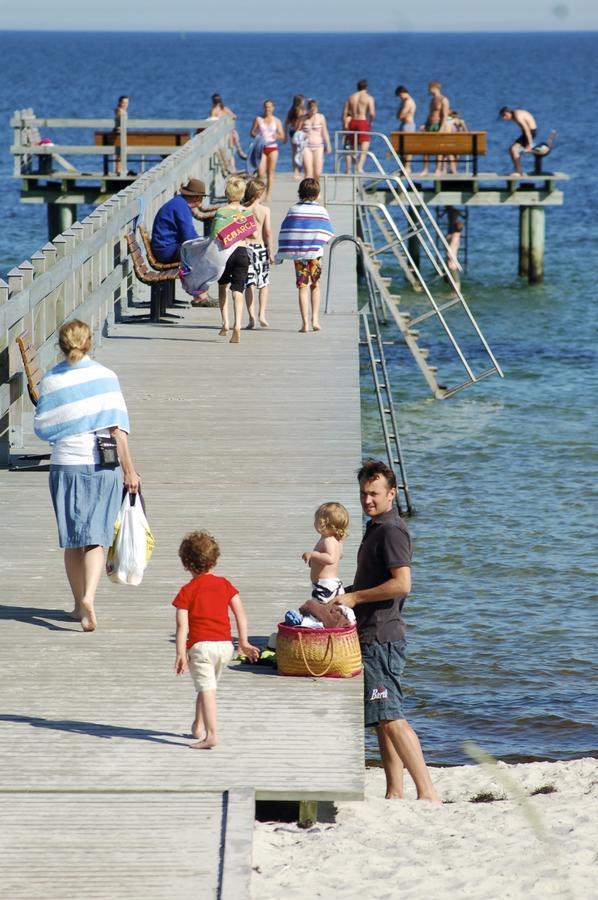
point(412, 332)
point(424, 352)
point(405, 315)
point(433, 368)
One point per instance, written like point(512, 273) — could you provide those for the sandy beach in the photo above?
point(543, 847)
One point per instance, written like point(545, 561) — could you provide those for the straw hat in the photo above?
point(194, 188)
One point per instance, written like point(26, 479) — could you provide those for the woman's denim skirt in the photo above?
point(86, 501)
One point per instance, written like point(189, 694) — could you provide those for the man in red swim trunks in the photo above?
point(358, 115)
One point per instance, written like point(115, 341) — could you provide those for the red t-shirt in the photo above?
point(207, 598)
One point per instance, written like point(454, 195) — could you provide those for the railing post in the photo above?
point(4, 380)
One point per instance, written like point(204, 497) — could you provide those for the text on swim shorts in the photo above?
point(379, 693)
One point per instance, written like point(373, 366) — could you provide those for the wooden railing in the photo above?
point(85, 273)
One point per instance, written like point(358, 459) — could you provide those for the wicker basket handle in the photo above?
point(307, 666)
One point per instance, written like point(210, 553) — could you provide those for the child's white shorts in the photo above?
point(206, 662)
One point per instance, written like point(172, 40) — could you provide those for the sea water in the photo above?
point(502, 617)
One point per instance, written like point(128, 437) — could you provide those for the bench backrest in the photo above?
point(464, 143)
point(143, 138)
point(30, 364)
point(154, 263)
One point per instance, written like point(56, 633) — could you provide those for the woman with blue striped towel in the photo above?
point(80, 409)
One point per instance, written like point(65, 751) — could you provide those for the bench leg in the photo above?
point(156, 301)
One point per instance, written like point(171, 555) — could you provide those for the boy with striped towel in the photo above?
point(304, 232)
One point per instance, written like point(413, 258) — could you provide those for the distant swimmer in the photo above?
point(406, 116)
point(358, 116)
point(525, 142)
point(438, 113)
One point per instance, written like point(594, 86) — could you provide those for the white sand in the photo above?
point(382, 850)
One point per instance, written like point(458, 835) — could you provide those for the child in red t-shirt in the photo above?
point(203, 635)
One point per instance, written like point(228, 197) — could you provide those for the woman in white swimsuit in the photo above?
point(318, 140)
point(271, 131)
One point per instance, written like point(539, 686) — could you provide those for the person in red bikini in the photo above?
point(271, 131)
point(358, 116)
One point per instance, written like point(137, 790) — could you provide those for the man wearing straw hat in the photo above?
point(382, 582)
point(173, 224)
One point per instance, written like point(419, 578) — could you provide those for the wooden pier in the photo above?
point(100, 796)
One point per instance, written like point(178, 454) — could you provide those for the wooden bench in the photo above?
point(164, 139)
point(154, 263)
point(161, 283)
point(31, 365)
point(438, 143)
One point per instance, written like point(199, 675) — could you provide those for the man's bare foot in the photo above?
point(250, 324)
point(206, 744)
point(316, 326)
point(423, 172)
point(88, 617)
point(393, 796)
point(236, 338)
point(76, 615)
point(223, 331)
point(517, 174)
point(304, 329)
point(264, 324)
point(432, 798)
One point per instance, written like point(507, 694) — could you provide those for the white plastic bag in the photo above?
point(132, 545)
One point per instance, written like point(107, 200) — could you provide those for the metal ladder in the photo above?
point(422, 225)
point(371, 337)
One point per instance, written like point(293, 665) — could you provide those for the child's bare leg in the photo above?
point(207, 701)
point(263, 302)
point(238, 304)
point(304, 307)
point(223, 304)
point(250, 304)
point(315, 306)
point(198, 729)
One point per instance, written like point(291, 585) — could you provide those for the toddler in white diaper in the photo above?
point(331, 521)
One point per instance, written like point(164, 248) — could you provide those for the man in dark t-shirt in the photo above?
point(382, 582)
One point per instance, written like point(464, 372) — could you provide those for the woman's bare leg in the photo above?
point(318, 162)
point(223, 304)
point(271, 160)
point(308, 163)
point(73, 564)
point(92, 562)
point(263, 303)
point(207, 702)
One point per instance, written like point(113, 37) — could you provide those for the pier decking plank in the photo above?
point(245, 440)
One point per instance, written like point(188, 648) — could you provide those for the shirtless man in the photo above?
point(525, 141)
point(359, 112)
point(406, 116)
point(437, 120)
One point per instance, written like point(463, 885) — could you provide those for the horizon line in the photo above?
point(387, 32)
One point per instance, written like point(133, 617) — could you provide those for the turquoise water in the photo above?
point(502, 616)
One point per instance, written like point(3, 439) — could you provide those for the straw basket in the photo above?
point(320, 652)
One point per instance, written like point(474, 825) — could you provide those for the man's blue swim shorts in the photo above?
point(383, 666)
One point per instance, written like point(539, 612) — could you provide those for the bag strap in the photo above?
point(307, 666)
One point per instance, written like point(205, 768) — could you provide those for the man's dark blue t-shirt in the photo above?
point(172, 226)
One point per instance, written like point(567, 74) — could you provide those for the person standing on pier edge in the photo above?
point(173, 224)
point(382, 582)
point(316, 139)
point(122, 109)
point(358, 116)
point(79, 402)
point(525, 142)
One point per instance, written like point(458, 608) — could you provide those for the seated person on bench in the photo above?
point(173, 224)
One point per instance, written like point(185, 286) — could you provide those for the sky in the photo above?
point(300, 15)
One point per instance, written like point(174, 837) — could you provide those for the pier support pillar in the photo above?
point(536, 244)
point(524, 240)
point(413, 245)
point(308, 813)
point(60, 217)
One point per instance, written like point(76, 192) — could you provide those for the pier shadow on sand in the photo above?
point(96, 729)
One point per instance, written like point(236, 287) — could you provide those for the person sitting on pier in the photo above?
point(173, 224)
point(203, 634)
point(331, 521)
point(525, 142)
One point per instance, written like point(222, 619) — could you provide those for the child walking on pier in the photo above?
point(305, 230)
point(203, 632)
